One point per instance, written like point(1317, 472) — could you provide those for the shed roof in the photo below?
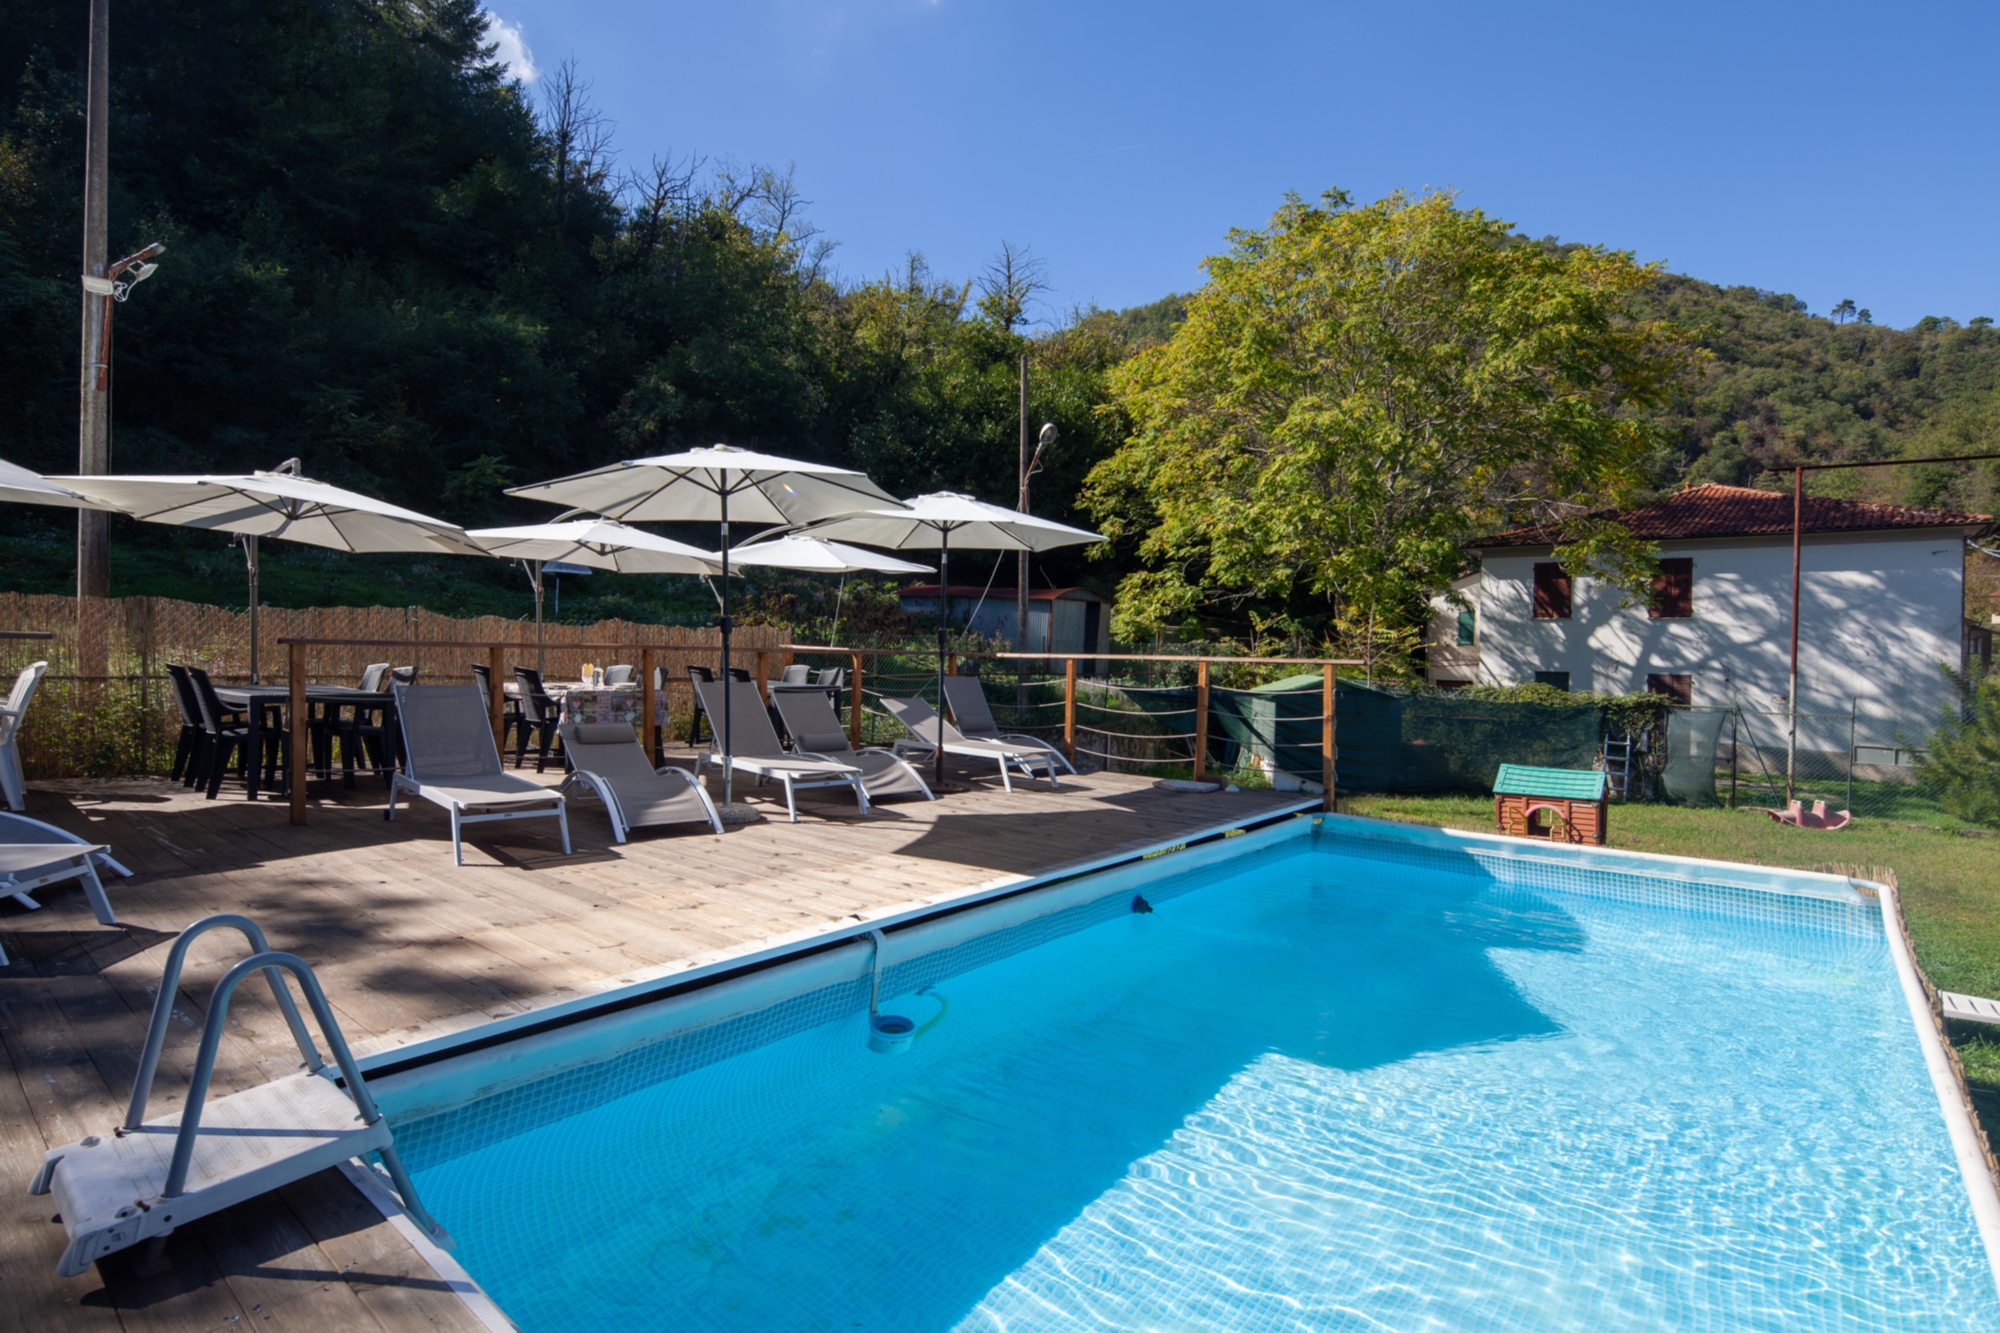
point(1711, 510)
point(1565, 784)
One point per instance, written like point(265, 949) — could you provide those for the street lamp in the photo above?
point(116, 285)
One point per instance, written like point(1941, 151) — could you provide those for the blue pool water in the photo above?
point(1310, 1092)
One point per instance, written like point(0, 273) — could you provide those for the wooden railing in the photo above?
point(495, 654)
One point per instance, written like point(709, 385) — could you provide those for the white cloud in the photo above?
point(512, 53)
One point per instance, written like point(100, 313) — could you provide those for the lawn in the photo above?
point(1950, 882)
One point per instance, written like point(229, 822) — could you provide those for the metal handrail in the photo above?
point(273, 964)
point(163, 1007)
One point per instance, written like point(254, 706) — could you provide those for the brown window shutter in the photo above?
point(1677, 686)
point(1551, 591)
point(1673, 590)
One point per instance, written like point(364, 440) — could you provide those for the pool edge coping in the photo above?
point(1981, 1188)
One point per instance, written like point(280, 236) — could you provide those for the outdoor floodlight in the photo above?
point(1043, 441)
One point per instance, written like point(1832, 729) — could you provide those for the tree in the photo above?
point(1844, 311)
point(1963, 761)
point(1356, 391)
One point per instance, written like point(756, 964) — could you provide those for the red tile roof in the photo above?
point(1738, 511)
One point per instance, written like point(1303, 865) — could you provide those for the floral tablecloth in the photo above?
point(610, 703)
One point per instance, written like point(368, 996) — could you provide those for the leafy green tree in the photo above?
point(1358, 389)
point(1844, 311)
point(1963, 761)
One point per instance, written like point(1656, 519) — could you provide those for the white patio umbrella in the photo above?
point(279, 503)
point(940, 519)
point(599, 543)
point(20, 486)
point(816, 555)
point(707, 485)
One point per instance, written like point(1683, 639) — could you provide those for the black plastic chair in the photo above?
point(699, 675)
point(228, 742)
point(188, 749)
point(539, 715)
point(511, 720)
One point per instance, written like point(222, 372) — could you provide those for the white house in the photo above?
point(1881, 606)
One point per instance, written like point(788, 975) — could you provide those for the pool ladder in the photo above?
point(149, 1177)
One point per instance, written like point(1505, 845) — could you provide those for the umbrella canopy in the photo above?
point(599, 543)
point(941, 519)
point(957, 520)
point(279, 503)
point(715, 484)
point(20, 486)
point(819, 556)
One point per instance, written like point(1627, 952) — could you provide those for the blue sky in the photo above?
point(1831, 150)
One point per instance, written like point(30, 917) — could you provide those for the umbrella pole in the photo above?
point(250, 559)
point(944, 620)
point(535, 577)
point(728, 687)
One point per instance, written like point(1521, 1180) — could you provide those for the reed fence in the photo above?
point(106, 706)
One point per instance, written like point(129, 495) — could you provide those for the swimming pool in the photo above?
point(1335, 1078)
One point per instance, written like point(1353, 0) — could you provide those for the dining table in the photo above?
point(264, 708)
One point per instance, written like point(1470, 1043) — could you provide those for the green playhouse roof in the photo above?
point(1566, 784)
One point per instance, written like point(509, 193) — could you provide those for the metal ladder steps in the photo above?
point(110, 1187)
point(147, 1177)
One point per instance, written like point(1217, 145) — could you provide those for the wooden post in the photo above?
point(649, 699)
point(297, 765)
point(1326, 737)
point(496, 697)
point(854, 707)
point(1069, 709)
point(951, 665)
point(1200, 717)
point(763, 690)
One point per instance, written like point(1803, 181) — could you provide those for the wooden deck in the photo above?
point(409, 947)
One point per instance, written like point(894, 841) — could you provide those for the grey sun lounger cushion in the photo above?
point(922, 723)
point(451, 761)
point(815, 728)
point(974, 717)
point(756, 750)
point(611, 765)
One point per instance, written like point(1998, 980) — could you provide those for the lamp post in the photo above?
point(1030, 465)
point(1798, 471)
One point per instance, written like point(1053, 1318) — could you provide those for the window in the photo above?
point(1559, 679)
point(1551, 591)
point(1468, 627)
point(1678, 687)
point(1673, 590)
point(1444, 684)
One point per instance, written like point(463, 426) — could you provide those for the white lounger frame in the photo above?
point(583, 780)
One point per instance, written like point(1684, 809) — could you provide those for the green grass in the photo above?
point(1950, 888)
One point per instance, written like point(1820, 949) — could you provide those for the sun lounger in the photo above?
point(611, 765)
point(974, 717)
point(815, 729)
point(1798, 816)
point(13, 786)
point(450, 760)
point(922, 722)
point(34, 855)
point(755, 748)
